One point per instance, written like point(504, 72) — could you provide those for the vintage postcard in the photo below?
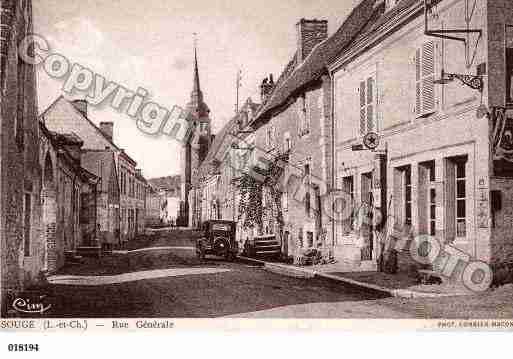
point(331, 165)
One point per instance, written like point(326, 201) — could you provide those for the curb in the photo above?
point(298, 272)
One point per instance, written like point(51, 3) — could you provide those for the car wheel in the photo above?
point(230, 257)
point(200, 253)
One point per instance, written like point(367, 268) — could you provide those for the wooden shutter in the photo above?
point(418, 83)
point(370, 104)
point(363, 112)
point(425, 99)
point(428, 76)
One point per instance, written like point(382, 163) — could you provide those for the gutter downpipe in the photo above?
point(333, 142)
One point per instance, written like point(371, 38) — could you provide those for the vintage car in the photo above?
point(218, 239)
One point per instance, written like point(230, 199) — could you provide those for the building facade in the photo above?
point(102, 164)
point(71, 116)
point(295, 124)
point(69, 193)
point(21, 247)
point(167, 194)
point(442, 167)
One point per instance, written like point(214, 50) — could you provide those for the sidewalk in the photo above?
point(396, 285)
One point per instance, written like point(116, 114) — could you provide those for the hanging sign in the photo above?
point(371, 140)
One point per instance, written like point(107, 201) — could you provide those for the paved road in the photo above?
point(167, 280)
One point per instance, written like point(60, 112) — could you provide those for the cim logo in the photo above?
point(31, 306)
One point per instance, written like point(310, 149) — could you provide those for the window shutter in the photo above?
point(425, 99)
point(428, 77)
point(370, 104)
point(363, 112)
point(418, 84)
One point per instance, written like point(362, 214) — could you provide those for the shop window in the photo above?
point(427, 198)
point(461, 199)
point(456, 198)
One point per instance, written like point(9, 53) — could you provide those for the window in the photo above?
point(348, 222)
point(285, 201)
point(27, 224)
point(368, 105)
point(432, 199)
point(425, 99)
point(307, 203)
point(461, 200)
point(309, 238)
point(407, 195)
point(270, 136)
point(509, 64)
point(304, 116)
point(427, 198)
point(367, 184)
point(287, 142)
point(403, 196)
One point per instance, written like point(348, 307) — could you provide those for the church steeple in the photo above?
point(197, 107)
point(196, 89)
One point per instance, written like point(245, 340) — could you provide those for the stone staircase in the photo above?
point(265, 247)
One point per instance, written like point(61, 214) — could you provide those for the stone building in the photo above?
point(166, 192)
point(69, 194)
point(154, 204)
point(439, 103)
point(295, 120)
point(102, 163)
point(218, 197)
point(21, 247)
point(71, 116)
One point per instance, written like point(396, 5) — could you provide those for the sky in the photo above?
point(149, 44)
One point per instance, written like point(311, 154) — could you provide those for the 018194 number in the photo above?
point(23, 347)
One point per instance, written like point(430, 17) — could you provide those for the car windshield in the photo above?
point(220, 227)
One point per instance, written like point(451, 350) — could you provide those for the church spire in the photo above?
point(196, 89)
point(196, 106)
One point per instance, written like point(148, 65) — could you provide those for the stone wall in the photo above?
point(19, 169)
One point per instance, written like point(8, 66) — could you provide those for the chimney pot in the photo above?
point(107, 129)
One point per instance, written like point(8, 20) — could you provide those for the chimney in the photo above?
point(81, 106)
point(107, 129)
point(266, 88)
point(138, 171)
point(309, 34)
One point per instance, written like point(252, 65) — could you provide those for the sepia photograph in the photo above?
point(220, 165)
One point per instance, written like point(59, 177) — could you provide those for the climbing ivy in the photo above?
point(253, 185)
